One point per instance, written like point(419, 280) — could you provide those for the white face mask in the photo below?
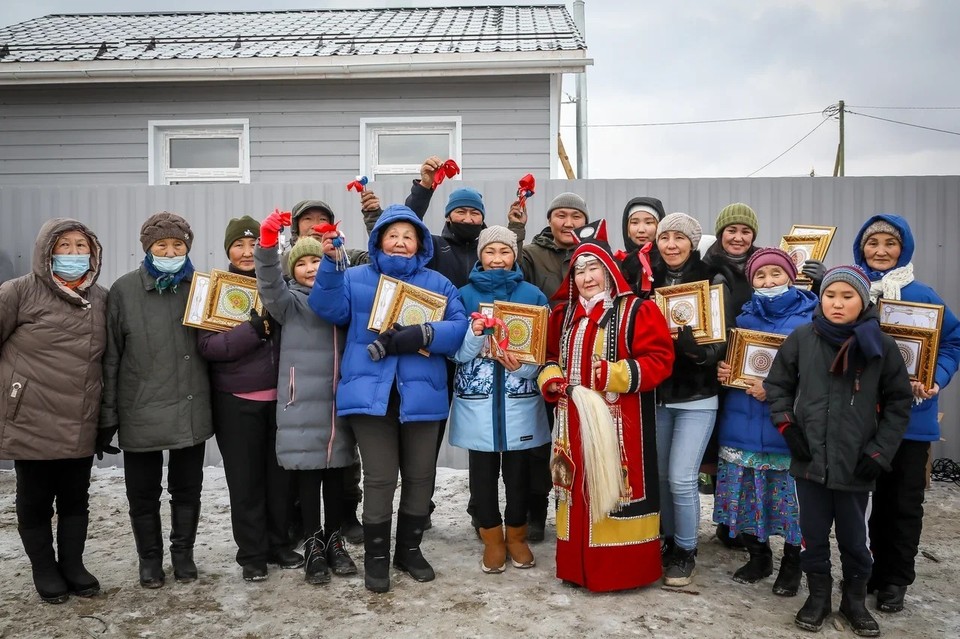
point(772, 291)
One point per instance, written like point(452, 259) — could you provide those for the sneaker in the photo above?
point(682, 568)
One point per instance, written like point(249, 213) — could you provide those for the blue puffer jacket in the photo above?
point(346, 297)
point(743, 422)
point(493, 410)
point(923, 418)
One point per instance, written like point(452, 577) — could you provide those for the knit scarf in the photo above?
point(739, 262)
point(861, 336)
point(168, 281)
point(888, 284)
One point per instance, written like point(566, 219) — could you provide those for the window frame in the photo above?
point(160, 132)
point(370, 128)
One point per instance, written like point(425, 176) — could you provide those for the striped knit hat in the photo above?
point(851, 275)
point(737, 213)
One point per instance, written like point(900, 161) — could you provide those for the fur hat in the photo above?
point(500, 234)
point(465, 197)
point(239, 228)
point(164, 225)
point(568, 201)
point(305, 246)
point(737, 213)
point(682, 223)
point(853, 276)
point(880, 226)
point(302, 207)
point(768, 257)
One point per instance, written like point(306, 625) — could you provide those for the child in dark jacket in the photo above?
point(840, 396)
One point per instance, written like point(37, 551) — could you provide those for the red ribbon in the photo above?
point(620, 255)
point(646, 278)
point(525, 189)
point(359, 184)
point(448, 169)
point(493, 322)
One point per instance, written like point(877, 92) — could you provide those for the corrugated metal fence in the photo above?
point(115, 213)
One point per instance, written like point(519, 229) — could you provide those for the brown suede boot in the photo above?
point(520, 553)
point(494, 550)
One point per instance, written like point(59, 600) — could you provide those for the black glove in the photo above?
point(796, 442)
point(261, 324)
point(686, 344)
point(868, 468)
point(378, 348)
point(815, 270)
point(410, 339)
point(104, 437)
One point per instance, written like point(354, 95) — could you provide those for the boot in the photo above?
point(407, 555)
point(494, 550)
point(184, 519)
point(853, 607)
point(723, 534)
point(316, 569)
point(788, 579)
point(818, 606)
point(759, 565)
point(149, 540)
point(338, 557)
point(38, 544)
point(376, 556)
point(682, 568)
point(666, 551)
point(520, 554)
point(351, 528)
point(71, 539)
point(537, 518)
point(890, 598)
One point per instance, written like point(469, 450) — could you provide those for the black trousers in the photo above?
point(143, 475)
point(329, 483)
point(485, 470)
point(40, 483)
point(822, 509)
point(897, 517)
point(259, 488)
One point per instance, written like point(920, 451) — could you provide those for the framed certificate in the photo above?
point(686, 305)
point(812, 229)
point(918, 346)
point(197, 302)
point(750, 356)
point(414, 305)
point(900, 313)
point(386, 289)
point(525, 329)
point(230, 299)
point(718, 320)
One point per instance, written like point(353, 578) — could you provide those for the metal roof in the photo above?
point(290, 34)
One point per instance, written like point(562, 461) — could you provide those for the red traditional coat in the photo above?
point(621, 550)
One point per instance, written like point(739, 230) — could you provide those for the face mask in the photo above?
point(773, 291)
point(70, 267)
point(466, 232)
point(169, 264)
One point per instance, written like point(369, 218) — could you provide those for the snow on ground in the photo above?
point(461, 602)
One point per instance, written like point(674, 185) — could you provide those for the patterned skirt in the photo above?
point(759, 502)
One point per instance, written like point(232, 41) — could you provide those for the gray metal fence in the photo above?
point(115, 213)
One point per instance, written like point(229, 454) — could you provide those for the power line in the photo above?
point(909, 108)
point(723, 120)
point(791, 147)
point(917, 126)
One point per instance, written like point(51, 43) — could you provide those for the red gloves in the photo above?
point(270, 228)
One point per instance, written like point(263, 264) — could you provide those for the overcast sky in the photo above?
point(689, 60)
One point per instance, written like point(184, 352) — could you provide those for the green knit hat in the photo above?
point(305, 246)
point(239, 228)
point(737, 213)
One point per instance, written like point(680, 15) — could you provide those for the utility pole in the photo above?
point(838, 168)
point(580, 20)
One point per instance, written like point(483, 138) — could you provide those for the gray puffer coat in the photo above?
point(310, 436)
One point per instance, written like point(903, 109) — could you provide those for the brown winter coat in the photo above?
point(51, 343)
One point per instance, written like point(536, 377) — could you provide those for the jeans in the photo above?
point(682, 436)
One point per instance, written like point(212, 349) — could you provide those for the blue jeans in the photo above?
point(682, 436)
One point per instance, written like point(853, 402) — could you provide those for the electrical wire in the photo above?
point(723, 120)
point(945, 469)
point(916, 126)
point(907, 108)
point(790, 148)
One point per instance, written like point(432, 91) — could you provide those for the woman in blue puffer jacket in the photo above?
point(756, 496)
point(395, 397)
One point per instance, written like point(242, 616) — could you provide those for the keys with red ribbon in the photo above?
point(525, 189)
point(448, 169)
point(358, 184)
point(342, 260)
point(492, 323)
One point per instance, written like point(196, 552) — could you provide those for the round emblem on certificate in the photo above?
point(682, 313)
point(413, 315)
point(236, 303)
point(761, 361)
point(907, 355)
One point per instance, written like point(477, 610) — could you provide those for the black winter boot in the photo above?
point(149, 540)
point(760, 564)
point(853, 607)
point(788, 579)
point(315, 560)
point(351, 527)
point(184, 519)
point(723, 534)
point(407, 555)
point(537, 517)
point(38, 544)
point(818, 606)
point(337, 556)
point(376, 556)
point(667, 548)
point(71, 539)
point(890, 598)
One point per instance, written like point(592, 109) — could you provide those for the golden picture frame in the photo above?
point(813, 229)
point(750, 356)
point(230, 299)
point(916, 314)
point(918, 347)
point(413, 305)
point(718, 319)
point(801, 248)
point(197, 302)
point(382, 300)
point(525, 330)
point(686, 305)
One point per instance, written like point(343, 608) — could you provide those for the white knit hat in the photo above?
point(500, 234)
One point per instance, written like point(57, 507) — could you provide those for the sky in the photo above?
point(662, 61)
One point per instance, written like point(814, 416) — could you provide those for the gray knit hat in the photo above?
point(684, 224)
point(499, 234)
point(164, 225)
point(568, 201)
point(851, 275)
point(302, 207)
point(880, 226)
point(305, 246)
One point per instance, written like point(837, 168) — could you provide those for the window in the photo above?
point(394, 148)
point(199, 151)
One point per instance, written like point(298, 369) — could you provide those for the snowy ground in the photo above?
point(461, 602)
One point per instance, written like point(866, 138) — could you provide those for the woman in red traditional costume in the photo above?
point(604, 347)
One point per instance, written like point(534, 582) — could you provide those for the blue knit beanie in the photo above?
point(465, 197)
point(852, 275)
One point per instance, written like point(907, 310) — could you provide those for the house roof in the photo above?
point(315, 43)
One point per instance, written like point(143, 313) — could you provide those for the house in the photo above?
point(283, 96)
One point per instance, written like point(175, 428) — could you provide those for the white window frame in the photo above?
point(371, 127)
point(160, 132)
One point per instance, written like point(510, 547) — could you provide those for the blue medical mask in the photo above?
point(169, 264)
point(773, 291)
point(70, 267)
